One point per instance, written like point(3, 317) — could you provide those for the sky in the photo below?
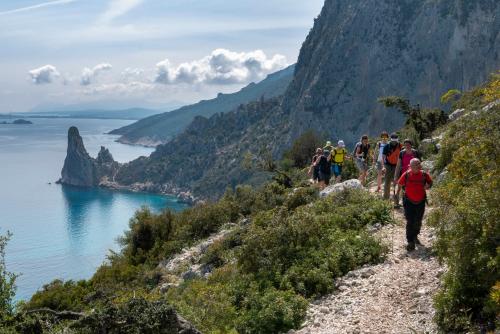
point(149, 53)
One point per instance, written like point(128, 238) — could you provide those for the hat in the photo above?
point(328, 143)
point(341, 143)
point(394, 135)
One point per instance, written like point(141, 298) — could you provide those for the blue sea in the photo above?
point(59, 231)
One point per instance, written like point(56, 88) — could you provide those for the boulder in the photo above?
point(456, 114)
point(349, 184)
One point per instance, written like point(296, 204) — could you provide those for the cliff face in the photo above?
point(360, 50)
point(82, 170)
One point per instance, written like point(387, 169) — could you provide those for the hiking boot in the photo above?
point(417, 242)
point(410, 247)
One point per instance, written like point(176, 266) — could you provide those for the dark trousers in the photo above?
point(390, 170)
point(414, 213)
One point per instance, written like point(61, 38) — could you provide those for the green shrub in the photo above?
point(466, 220)
point(303, 148)
point(59, 296)
point(7, 283)
point(272, 311)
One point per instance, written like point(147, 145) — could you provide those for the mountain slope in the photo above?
point(160, 128)
point(361, 50)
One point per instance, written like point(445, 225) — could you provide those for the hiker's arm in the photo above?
point(399, 190)
point(396, 173)
point(428, 183)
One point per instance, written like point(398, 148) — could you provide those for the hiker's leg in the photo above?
point(389, 176)
point(419, 216)
point(409, 209)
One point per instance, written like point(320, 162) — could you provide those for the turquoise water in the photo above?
point(59, 231)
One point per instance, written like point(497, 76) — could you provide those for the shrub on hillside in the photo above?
point(467, 223)
point(303, 148)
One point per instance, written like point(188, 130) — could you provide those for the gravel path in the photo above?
point(392, 297)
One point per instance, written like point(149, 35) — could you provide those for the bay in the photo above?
point(60, 231)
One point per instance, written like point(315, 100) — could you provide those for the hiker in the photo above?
point(328, 146)
point(390, 158)
point(339, 155)
point(403, 164)
point(361, 152)
point(323, 162)
point(414, 183)
point(378, 156)
point(314, 170)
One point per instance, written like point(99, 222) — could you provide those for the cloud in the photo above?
point(221, 67)
point(43, 75)
point(40, 5)
point(88, 74)
point(118, 8)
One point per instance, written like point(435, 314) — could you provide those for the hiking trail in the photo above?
point(395, 296)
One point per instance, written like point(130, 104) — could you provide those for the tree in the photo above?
point(303, 148)
point(7, 282)
point(423, 121)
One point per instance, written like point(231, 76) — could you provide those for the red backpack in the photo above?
point(393, 156)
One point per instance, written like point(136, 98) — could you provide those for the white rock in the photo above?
point(349, 184)
point(456, 114)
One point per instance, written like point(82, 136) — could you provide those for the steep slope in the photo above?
point(361, 50)
point(160, 128)
point(207, 157)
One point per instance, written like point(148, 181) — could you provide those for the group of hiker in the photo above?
point(398, 167)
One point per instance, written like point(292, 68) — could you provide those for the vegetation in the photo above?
point(7, 283)
point(304, 148)
point(420, 123)
point(466, 216)
point(263, 273)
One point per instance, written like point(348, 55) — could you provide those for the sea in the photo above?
point(62, 232)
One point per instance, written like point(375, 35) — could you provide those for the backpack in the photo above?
point(340, 153)
point(424, 182)
point(393, 154)
point(324, 165)
point(364, 151)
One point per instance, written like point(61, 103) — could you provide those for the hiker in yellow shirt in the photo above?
point(339, 155)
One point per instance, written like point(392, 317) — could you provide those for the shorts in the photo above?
point(362, 165)
point(336, 169)
point(325, 177)
point(380, 165)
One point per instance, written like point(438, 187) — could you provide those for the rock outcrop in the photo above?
point(80, 169)
point(339, 187)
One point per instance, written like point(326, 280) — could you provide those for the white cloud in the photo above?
point(40, 5)
point(118, 8)
point(88, 74)
point(222, 67)
point(44, 74)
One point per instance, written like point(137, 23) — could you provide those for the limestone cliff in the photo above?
point(360, 50)
point(80, 169)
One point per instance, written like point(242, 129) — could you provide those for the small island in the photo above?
point(18, 122)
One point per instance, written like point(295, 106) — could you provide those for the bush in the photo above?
point(60, 296)
point(303, 148)
point(466, 220)
point(7, 283)
point(272, 311)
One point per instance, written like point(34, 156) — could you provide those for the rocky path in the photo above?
point(391, 297)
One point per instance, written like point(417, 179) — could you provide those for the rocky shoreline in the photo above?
point(183, 196)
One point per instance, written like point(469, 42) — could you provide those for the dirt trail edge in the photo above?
point(392, 297)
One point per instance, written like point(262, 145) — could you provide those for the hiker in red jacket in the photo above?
point(414, 183)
